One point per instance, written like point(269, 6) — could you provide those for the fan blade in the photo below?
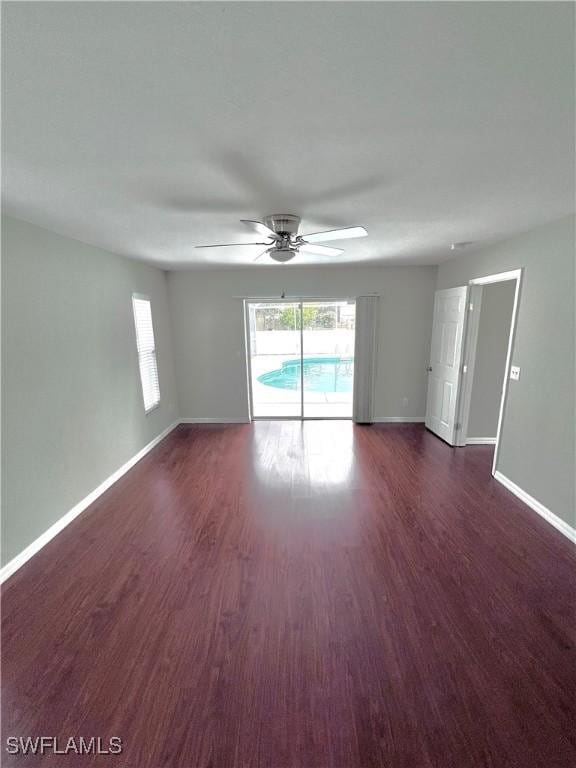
point(262, 229)
point(320, 250)
point(335, 234)
point(228, 245)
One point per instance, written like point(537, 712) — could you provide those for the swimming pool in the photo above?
point(321, 374)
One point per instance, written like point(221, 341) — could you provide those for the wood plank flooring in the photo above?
point(299, 595)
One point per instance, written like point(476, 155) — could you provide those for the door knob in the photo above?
point(429, 368)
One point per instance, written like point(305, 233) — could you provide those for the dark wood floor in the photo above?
point(303, 595)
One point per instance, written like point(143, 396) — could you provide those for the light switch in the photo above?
point(514, 372)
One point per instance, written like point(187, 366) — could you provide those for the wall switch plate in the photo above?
point(515, 372)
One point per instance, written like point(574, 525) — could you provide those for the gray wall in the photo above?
point(491, 348)
point(72, 408)
point(209, 331)
point(537, 449)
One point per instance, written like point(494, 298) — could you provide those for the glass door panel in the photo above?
point(275, 359)
point(328, 358)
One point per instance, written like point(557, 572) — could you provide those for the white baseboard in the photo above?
point(217, 420)
point(246, 420)
point(534, 504)
point(480, 441)
point(18, 561)
point(398, 419)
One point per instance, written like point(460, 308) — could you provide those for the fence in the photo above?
point(332, 342)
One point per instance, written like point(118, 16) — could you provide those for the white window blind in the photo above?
point(146, 351)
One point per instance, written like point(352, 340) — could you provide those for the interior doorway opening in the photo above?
point(454, 351)
point(487, 368)
point(495, 303)
point(301, 358)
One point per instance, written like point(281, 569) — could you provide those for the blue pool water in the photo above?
point(321, 374)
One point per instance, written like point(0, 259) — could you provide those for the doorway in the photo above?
point(301, 358)
point(487, 365)
point(463, 337)
point(494, 303)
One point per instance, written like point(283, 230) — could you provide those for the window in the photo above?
point(146, 351)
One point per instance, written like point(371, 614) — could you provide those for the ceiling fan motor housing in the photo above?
point(283, 223)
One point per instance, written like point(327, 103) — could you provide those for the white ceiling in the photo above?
point(147, 128)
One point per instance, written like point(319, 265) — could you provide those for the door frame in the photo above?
point(300, 300)
point(470, 349)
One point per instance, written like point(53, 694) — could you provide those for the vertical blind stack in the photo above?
point(365, 357)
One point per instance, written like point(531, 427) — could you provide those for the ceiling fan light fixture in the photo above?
point(282, 254)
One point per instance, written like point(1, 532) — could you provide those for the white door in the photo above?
point(445, 362)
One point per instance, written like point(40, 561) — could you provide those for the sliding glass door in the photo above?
point(328, 358)
point(301, 358)
point(275, 353)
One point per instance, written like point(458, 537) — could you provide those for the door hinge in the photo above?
point(457, 426)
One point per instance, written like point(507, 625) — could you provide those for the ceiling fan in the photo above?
point(284, 242)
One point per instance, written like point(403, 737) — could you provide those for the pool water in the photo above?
point(321, 374)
